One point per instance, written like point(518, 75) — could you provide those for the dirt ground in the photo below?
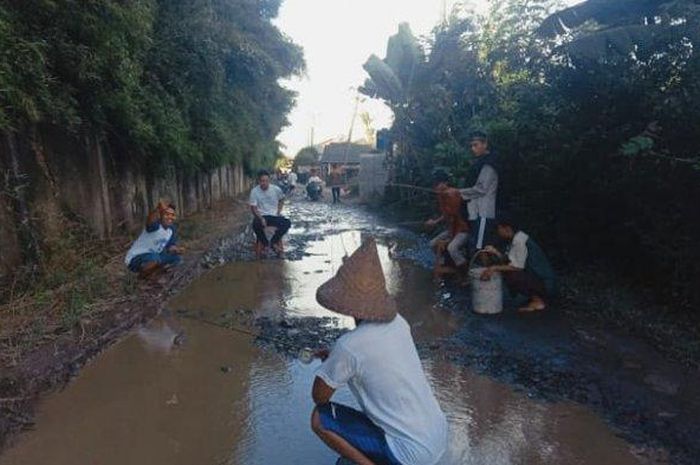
point(48, 333)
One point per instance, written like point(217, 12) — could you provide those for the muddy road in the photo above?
point(216, 379)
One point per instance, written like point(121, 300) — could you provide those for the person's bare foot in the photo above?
point(445, 270)
point(536, 304)
point(149, 269)
point(279, 249)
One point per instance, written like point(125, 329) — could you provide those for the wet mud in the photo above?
point(217, 380)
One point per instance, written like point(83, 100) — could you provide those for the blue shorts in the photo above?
point(358, 430)
point(163, 258)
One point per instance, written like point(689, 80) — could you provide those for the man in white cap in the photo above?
point(401, 422)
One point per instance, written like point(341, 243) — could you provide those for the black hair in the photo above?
point(479, 135)
point(172, 206)
point(262, 173)
point(506, 219)
point(440, 176)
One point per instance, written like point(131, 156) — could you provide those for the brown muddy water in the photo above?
point(218, 399)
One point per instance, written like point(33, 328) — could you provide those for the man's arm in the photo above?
point(484, 183)
point(153, 219)
point(256, 213)
point(434, 221)
point(280, 206)
point(321, 393)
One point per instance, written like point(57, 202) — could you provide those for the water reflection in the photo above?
point(217, 399)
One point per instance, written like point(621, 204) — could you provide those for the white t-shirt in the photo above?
point(315, 179)
point(292, 178)
point(517, 250)
point(380, 365)
point(267, 200)
point(149, 242)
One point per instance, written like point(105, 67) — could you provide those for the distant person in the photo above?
point(454, 237)
point(314, 186)
point(481, 196)
point(400, 421)
point(315, 177)
point(156, 248)
point(524, 266)
point(335, 181)
point(292, 178)
point(266, 203)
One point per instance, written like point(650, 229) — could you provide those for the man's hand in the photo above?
point(431, 222)
point(487, 274)
point(162, 205)
point(492, 250)
point(322, 354)
point(176, 250)
point(263, 222)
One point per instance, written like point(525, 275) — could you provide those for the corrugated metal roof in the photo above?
point(344, 153)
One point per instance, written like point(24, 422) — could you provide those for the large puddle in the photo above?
point(218, 399)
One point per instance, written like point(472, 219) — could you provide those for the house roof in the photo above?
point(341, 152)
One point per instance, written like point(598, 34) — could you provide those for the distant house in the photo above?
point(346, 156)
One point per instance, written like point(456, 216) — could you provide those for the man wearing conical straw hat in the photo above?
point(401, 422)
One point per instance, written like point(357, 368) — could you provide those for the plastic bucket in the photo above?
point(487, 296)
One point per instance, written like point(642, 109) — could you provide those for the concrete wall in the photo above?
point(373, 175)
point(47, 177)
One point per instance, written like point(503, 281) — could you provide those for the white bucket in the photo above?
point(487, 296)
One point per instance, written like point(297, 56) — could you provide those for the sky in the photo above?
point(337, 37)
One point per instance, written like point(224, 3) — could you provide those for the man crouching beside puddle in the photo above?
point(401, 422)
point(156, 248)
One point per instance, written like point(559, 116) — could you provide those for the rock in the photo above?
point(661, 384)
point(226, 369)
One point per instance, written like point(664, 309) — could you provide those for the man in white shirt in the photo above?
point(266, 202)
point(292, 178)
point(524, 266)
point(401, 422)
point(156, 248)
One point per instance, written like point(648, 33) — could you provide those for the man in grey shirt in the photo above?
point(481, 196)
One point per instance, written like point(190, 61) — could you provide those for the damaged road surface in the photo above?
point(216, 378)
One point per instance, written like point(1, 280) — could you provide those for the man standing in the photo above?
point(266, 202)
point(156, 248)
point(483, 176)
point(292, 178)
point(525, 268)
point(401, 422)
point(457, 232)
point(335, 180)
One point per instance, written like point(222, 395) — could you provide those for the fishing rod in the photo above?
point(305, 355)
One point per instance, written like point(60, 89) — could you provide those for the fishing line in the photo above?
point(304, 354)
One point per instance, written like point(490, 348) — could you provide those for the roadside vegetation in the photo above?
point(593, 110)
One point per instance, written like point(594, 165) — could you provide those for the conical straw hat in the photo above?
point(359, 289)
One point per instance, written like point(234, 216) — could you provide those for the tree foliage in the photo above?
point(599, 144)
point(307, 156)
point(190, 83)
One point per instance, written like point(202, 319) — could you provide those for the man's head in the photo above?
point(441, 179)
point(264, 179)
point(479, 144)
point(168, 215)
point(506, 226)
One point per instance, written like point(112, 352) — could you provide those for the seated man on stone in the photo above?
point(525, 268)
point(401, 422)
point(454, 237)
point(266, 202)
point(156, 248)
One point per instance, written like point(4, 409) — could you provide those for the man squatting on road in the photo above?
point(156, 248)
point(401, 422)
